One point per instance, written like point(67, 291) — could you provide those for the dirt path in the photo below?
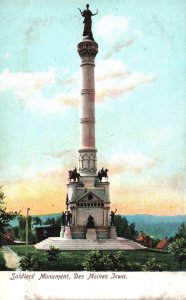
point(11, 258)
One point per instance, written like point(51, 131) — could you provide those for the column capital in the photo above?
point(87, 47)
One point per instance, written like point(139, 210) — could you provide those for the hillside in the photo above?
point(157, 226)
point(153, 225)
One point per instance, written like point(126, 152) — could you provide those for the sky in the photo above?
point(140, 93)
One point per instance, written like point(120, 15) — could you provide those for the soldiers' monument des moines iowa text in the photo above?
point(88, 200)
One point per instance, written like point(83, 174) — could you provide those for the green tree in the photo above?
point(22, 222)
point(49, 221)
point(155, 242)
point(132, 231)
point(37, 221)
point(178, 249)
point(58, 221)
point(124, 229)
point(181, 231)
point(20, 230)
point(5, 217)
point(15, 231)
point(121, 224)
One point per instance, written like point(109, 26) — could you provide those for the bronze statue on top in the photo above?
point(87, 14)
point(102, 173)
point(73, 175)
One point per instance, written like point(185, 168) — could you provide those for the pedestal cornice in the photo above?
point(84, 150)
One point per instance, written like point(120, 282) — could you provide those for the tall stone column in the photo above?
point(87, 50)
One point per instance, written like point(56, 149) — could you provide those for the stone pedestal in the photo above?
point(67, 233)
point(113, 234)
point(91, 234)
point(62, 232)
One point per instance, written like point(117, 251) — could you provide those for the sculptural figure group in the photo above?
point(66, 218)
point(73, 174)
point(90, 222)
point(102, 173)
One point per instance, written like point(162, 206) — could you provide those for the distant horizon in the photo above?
point(153, 225)
point(179, 215)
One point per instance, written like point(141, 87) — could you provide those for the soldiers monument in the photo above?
point(88, 200)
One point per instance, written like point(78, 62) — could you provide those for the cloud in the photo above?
point(111, 27)
point(25, 83)
point(135, 162)
point(38, 90)
point(116, 33)
point(7, 55)
point(146, 199)
point(175, 183)
point(59, 103)
point(118, 46)
point(58, 154)
point(144, 195)
point(39, 192)
point(42, 191)
point(114, 79)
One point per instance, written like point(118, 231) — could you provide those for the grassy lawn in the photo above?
point(142, 256)
point(72, 260)
point(21, 249)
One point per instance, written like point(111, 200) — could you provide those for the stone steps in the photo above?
point(83, 244)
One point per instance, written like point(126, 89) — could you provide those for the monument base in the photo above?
point(113, 234)
point(91, 234)
point(67, 233)
point(84, 244)
point(79, 232)
point(62, 232)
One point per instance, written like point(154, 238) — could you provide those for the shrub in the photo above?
point(104, 261)
point(41, 262)
point(31, 236)
point(133, 266)
point(92, 261)
point(107, 262)
point(31, 263)
point(178, 250)
point(120, 261)
point(52, 253)
point(153, 264)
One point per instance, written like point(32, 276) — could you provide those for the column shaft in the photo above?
point(87, 152)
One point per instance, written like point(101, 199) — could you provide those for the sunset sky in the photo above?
point(140, 94)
